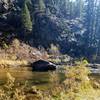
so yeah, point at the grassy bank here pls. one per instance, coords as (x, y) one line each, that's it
(76, 86)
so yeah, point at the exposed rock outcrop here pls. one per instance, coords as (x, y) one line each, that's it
(42, 65)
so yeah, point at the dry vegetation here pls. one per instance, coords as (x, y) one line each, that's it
(76, 86)
(20, 54)
(18, 50)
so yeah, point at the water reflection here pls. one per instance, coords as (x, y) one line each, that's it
(40, 79)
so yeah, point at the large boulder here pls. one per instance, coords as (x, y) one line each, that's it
(42, 65)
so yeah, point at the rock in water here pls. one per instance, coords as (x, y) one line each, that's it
(42, 65)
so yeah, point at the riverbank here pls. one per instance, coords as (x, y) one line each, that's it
(20, 54)
(74, 86)
(19, 50)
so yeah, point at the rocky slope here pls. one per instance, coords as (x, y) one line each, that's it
(19, 53)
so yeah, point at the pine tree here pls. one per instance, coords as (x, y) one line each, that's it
(79, 8)
(41, 5)
(89, 20)
(48, 11)
(26, 18)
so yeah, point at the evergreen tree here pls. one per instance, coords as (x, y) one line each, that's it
(48, 11)
(79, 8)
(41, 5)
(26, 18)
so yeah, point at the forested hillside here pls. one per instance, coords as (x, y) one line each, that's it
(49, 49)
(72, 25)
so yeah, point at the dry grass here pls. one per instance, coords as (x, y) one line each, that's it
(14, 62)
(21, 51)
(10, 62)
(76, 86)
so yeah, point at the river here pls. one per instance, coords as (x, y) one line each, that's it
(39, 79)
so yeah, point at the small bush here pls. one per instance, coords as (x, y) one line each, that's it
(54, 50)
(16, 43)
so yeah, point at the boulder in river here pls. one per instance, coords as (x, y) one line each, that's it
(42, 65)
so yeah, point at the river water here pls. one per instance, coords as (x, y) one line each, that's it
(39, 79)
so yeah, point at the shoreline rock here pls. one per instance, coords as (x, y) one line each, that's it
(42, 65)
